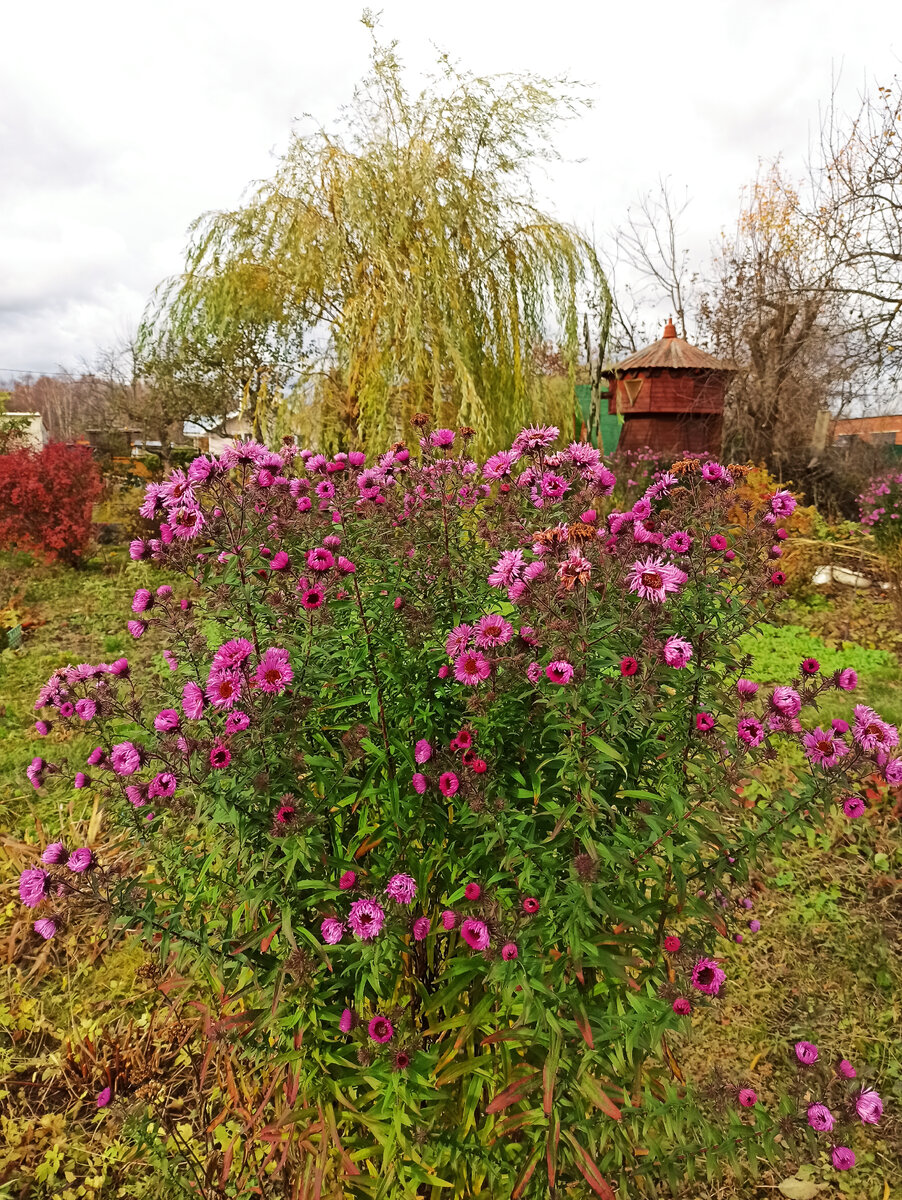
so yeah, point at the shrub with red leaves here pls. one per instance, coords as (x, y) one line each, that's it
(46, 499)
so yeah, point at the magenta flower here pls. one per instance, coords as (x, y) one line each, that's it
(366, 919)
(559, 671)
(824, 749)
(704, 722)
(786, 701)
(806, 1053)
(422, 752)
(499, 464)
(163, 784)
(347, 1021)
(419, 782)
(224, 688)
(441, 438)
(236, 722)
(679, 542)
(472, 668)
(672, 943)
(81, 780)
(534, 672)
(537, 437)
(472, 891)
(810, 666)
(142, 601)
(871, 732)
(320, 559)
(458, 640)
(347, 880)
(750, 731)
(677, 652)
(492, 631)
(843, 1158)
(681, 1006)
(220, 757)
(820, 1118)
(449, 919)
(628, 666)
(381, 1029)
(847, 679)
(136, 628)
(747, 1097)
(171, 661)
(332, 930)
(274, 672)
(892, 771)
(782, 504)
(166, 720)
(45, 927)
(754, 926)
(869, 1107)
(746, 688)
(708, 977)
(80, 860)
(653, 579)
(509, 951)
(55, 853)
(717, 541)
(475, 934)
(86, 709)
(853, 807)
(448, 783)
(125, 758)
(232, 654)
(421, 928)
(530, 905)
(104, 1097)
(192, 701)
(401, 888)
(845, 1068)
(34, 886)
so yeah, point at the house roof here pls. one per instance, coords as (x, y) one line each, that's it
(670, 352)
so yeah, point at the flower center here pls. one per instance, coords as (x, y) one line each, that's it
(651, 579)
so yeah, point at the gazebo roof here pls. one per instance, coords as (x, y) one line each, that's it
(669, 352)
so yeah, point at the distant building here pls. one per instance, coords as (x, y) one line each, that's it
(235, 425)
(35, 434)
(879, 431)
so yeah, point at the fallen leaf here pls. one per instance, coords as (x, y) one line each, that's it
(800, 1189)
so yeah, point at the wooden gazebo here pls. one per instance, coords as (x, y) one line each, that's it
(671, 397)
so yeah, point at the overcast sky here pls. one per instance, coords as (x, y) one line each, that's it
(120, 122)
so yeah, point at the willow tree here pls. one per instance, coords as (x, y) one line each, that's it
(406, 255)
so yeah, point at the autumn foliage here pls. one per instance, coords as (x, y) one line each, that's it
(46, 500)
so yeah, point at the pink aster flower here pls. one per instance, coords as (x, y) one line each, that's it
(421, 928)
(332, 930)
(704, 722)
(824, 749)
(475, 934)
(192, 701)
(381, 1029)
(104, 1096)
(142, 600)
(842, 1157)
(679, 542)
(220, 757)
(708, 977)
(448, 783)
(136, 628)
(845, 1068)
(892, 771)
(500, 464)
(534, 672)
(55, 853)
(871, 732)
(449, 919)
(34, 886)
(472, 891)
(681, 1006)
(166, 720)
(320, 559)
(509, 951)
(419, 782)
(492, 631)
(530, 905)
(653, 578)
(746, 688)
(750, 731)
(45, 927)
(347, 1021)
(869, 1107)
(472, 668)
(747, 1097)
(274, 672)
(224, 688)
(559, 671)
(163, 784)
(847, 679)
(677, 652)
(125, 758)
(672, 943)
(717, 541)
(782, 504)
(347, 880)
(537, 437)
(80, 860)
(458, 640)
(236, 722)
(422, 752)
(820, 1118)
(786, 701)
(86, 709)
(401, 888)
(366, 919)
(806, 1053)
(232, 654)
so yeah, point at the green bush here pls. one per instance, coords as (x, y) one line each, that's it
(777, 651)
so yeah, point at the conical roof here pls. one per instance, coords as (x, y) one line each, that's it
(669, 352)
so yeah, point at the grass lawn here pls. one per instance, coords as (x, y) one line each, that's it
(827, 963)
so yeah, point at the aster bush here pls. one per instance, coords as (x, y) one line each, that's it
(442, 787)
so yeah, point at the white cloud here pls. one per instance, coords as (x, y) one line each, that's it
(120, 123)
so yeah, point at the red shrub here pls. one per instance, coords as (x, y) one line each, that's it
(46, 500)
